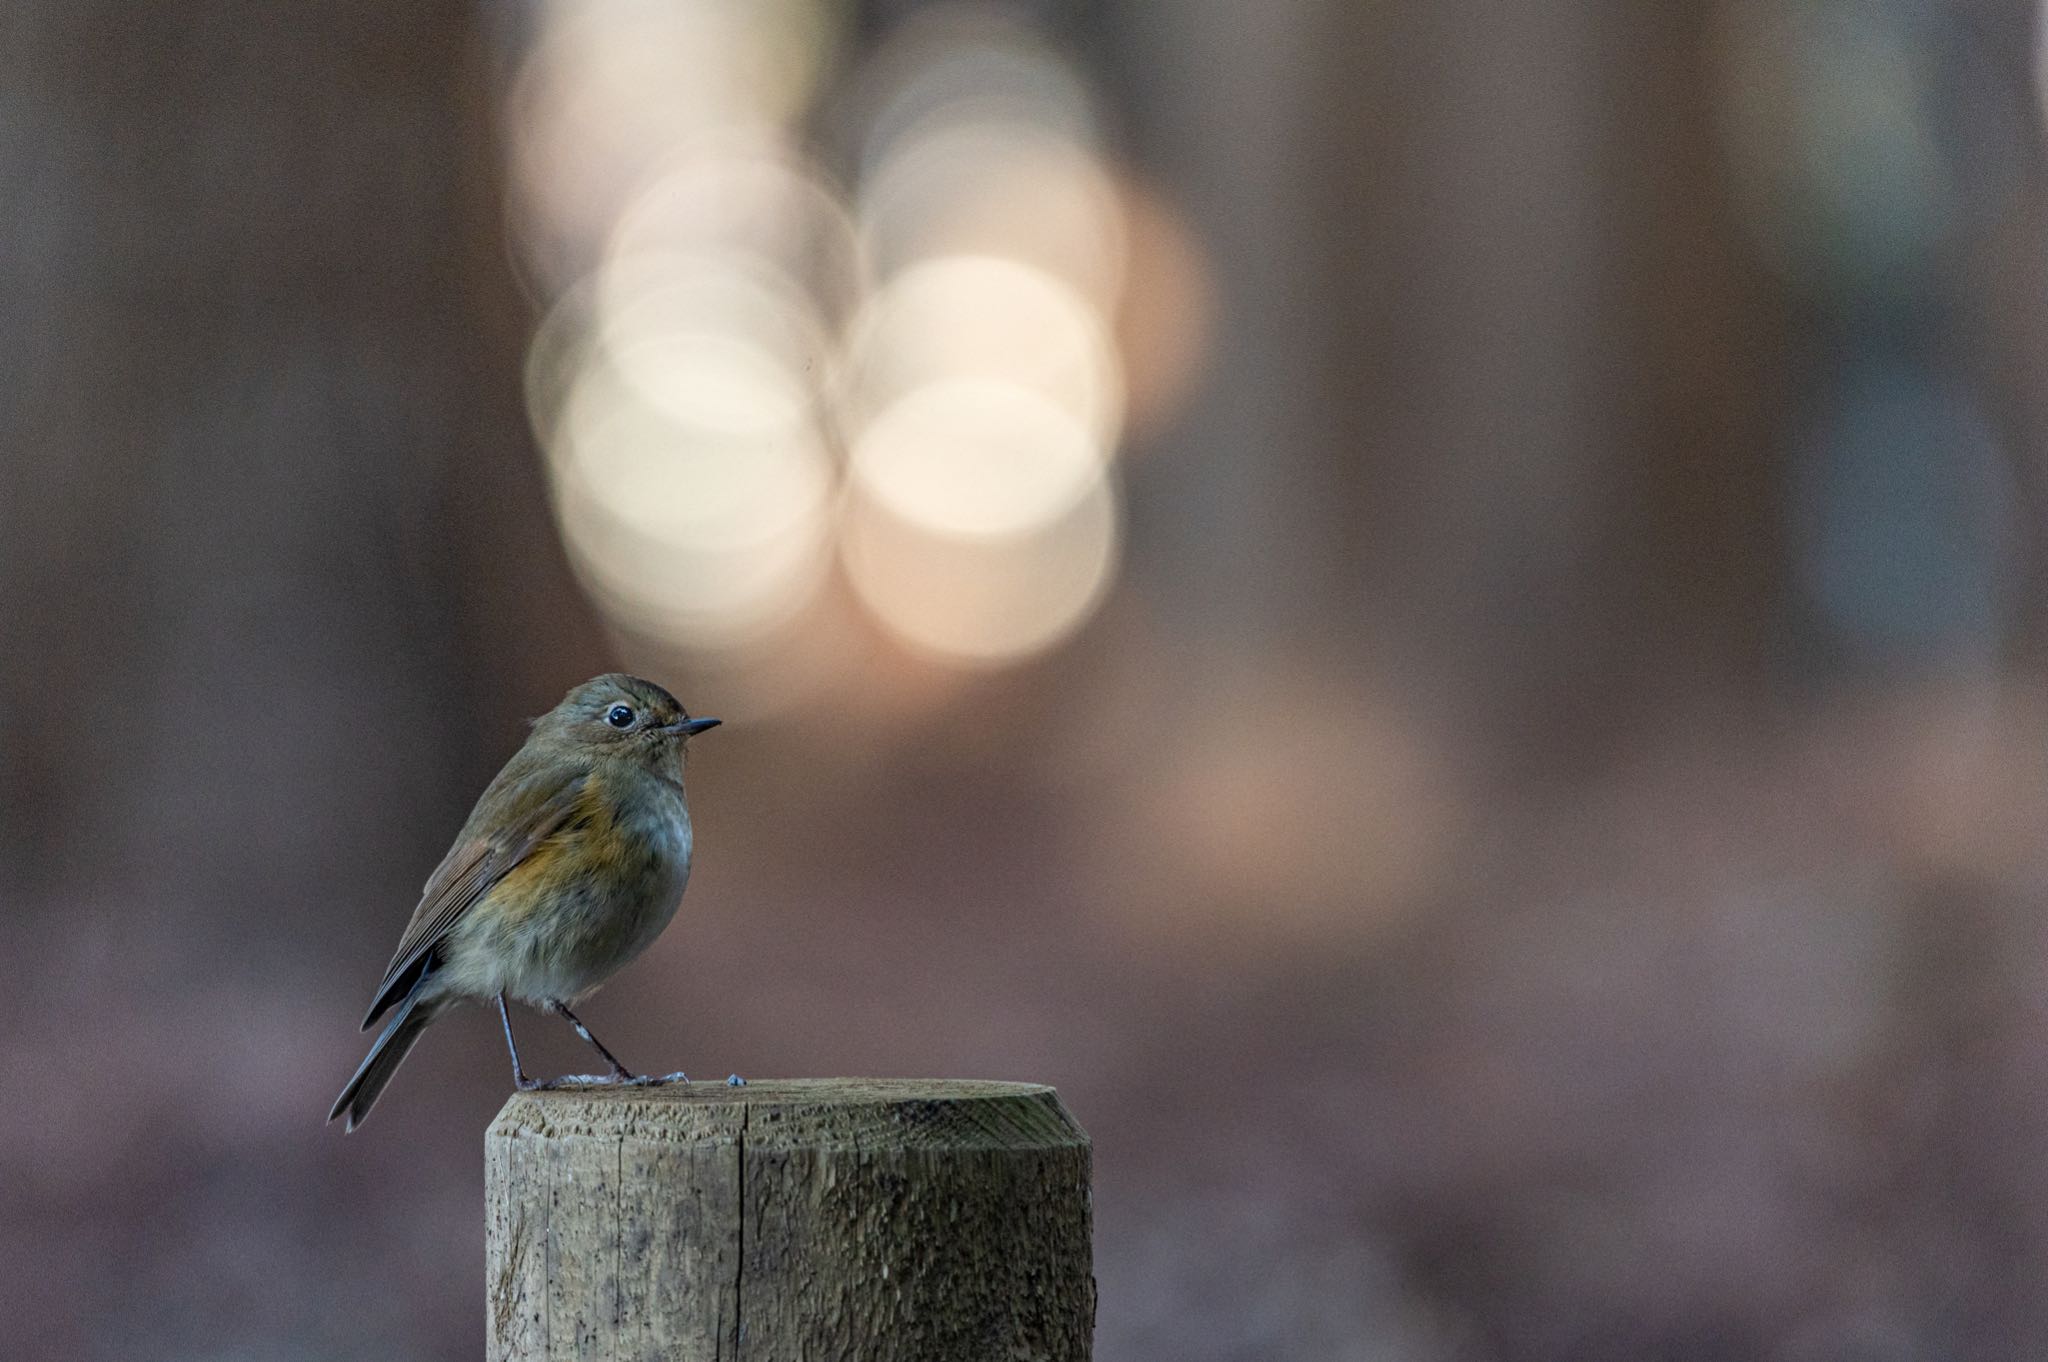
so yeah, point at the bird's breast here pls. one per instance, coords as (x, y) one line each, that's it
(588, 899)
(644, 856)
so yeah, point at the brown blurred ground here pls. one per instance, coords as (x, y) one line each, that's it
(1539, 857)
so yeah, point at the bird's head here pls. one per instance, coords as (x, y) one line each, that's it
(620, 715)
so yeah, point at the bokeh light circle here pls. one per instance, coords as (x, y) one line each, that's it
(712, 342)
(686, 529)
(607, 92)
(758, 203)
(978, 316)
(722, 324)
(954, 63)
(997, 187)
(981, 599)
(976, 457)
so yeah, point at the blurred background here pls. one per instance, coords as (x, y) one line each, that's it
(1435, 610)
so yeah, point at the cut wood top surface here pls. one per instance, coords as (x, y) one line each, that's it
(809, 1112)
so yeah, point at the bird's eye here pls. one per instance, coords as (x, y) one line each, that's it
(619, 716)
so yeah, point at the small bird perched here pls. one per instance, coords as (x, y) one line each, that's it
(572, 862)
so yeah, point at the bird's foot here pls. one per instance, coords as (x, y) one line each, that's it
(579, 1081)
(617, 1080)
(735, 1081)
(525, 1084)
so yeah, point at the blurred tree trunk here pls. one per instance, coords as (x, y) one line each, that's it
(272, 541)
(1450, 235)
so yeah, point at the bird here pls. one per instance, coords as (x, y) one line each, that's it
(571, 864)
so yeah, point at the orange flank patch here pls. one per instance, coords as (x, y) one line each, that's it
(586, 845)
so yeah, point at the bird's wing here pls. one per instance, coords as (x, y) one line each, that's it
(523, 814)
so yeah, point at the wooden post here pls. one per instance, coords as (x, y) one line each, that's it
(860, 1219)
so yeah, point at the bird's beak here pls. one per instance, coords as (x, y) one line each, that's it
(690, 728)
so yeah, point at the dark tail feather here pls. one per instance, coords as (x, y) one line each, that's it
(407, 1021)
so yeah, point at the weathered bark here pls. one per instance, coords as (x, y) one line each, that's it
(808, 1218)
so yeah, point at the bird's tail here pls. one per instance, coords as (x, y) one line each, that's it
(408, 1019)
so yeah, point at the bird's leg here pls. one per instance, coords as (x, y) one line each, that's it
(620, 1073)
(519, 1078)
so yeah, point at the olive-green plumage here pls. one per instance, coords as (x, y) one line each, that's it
(572, 862)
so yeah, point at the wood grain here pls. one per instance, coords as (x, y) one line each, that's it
(935, 1220)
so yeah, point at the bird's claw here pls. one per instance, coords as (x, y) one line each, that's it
(735, 1081)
